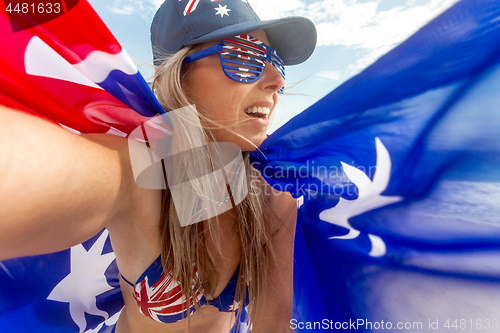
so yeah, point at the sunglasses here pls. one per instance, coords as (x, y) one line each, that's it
(243, 58)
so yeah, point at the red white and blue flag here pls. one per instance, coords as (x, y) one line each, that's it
(67, 68)
(398, 182)
(62, 66)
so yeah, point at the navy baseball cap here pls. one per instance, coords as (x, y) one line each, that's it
(178, 23)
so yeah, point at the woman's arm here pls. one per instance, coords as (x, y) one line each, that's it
(57, 189)
(277, 311)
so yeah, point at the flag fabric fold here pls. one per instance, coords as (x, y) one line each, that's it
(396, 175)
(68, 69)
(71, 70)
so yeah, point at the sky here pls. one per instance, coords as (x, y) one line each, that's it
(352, 34)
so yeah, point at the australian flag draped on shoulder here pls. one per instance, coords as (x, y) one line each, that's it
(59, 61)
(398, 175)
(396, 172)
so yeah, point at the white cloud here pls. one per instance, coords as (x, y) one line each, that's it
(145, 8)
(126, 10)
(330, 75)
(357, 24)
(353, 22)
(271, 9)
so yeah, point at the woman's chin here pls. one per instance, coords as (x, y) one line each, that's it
(255, 142)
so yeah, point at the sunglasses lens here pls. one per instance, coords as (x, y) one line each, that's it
(278, 63)
(244, 58)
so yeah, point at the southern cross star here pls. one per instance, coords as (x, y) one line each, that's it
(85, 281)
(369, 198)
(222, 10)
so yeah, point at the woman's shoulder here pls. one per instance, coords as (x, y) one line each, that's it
(134, 232)
(282, 208)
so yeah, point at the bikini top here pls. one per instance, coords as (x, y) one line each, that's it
(160, 298)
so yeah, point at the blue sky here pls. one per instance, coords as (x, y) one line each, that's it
(352, 34)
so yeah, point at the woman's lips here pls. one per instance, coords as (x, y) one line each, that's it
(258, 112)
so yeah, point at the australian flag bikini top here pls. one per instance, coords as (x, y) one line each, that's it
(160, 298)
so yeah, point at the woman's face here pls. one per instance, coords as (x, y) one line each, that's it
(228, 102)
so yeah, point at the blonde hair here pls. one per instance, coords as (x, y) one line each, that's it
(185, 246)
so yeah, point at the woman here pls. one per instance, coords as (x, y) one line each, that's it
(85, 183)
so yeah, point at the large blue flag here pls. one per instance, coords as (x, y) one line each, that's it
(76, 290)
(396, 172)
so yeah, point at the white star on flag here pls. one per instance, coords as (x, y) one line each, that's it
(85, 281)
(369, 198)
(222, 10)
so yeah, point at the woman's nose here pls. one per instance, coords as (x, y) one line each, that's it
(271, 79)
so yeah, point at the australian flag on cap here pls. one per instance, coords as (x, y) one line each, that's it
(204, 16)
(221, 10)
(179, 23)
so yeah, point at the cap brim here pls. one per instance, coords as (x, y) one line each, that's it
(294, 37)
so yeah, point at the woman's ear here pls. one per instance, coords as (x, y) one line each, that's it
(157, 69)
(158, 74)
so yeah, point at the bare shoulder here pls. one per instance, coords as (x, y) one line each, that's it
(283, 209)
(278, 302)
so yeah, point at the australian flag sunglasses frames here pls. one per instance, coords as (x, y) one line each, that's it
(243, 58)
